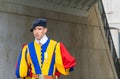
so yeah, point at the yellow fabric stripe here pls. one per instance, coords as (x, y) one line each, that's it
(48, 58)
(59, 63)
(27, 77)
(32, 67)
(54, 70)
(28, 57)
(23, 64)
(38, 52)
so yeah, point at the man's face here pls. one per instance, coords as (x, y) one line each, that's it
(39, 32)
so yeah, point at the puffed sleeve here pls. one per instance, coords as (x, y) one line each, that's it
(67, 58)
(64, 61)
(22, 65)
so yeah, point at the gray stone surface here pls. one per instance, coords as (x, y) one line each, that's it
(81, 35)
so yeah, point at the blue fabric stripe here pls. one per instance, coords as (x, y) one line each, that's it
(71, 69)
(28, 72)
(18, 66)
(44, 47)
(34, 58)
(52, 65)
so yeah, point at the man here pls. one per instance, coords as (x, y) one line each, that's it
(43, 58)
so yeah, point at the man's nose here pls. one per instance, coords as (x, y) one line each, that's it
(36, 30)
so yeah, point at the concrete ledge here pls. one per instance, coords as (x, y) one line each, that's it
(24, 10)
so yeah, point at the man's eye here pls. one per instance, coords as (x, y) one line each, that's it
(39, 28)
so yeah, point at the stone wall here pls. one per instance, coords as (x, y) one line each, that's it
(81, 35)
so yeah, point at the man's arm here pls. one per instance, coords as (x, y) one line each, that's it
(68, 60)
(22, 66)
(64, 61)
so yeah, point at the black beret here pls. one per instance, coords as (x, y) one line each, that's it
(39, 22)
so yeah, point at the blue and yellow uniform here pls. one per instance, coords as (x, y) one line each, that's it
(47, 59)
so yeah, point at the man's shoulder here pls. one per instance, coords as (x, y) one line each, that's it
(30, 42)
(26, 44)
(53, 41)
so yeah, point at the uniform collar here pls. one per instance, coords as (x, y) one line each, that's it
(43, 40)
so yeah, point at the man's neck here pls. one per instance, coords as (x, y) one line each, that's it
(43, 40)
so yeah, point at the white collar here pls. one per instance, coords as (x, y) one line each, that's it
(43, 40)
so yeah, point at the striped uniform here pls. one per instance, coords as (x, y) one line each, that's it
(48, 59)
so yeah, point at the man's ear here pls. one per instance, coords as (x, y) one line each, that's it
(46, 30)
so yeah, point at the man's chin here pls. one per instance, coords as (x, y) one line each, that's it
(38, 38)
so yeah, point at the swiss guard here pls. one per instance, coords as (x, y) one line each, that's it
(43, 58)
